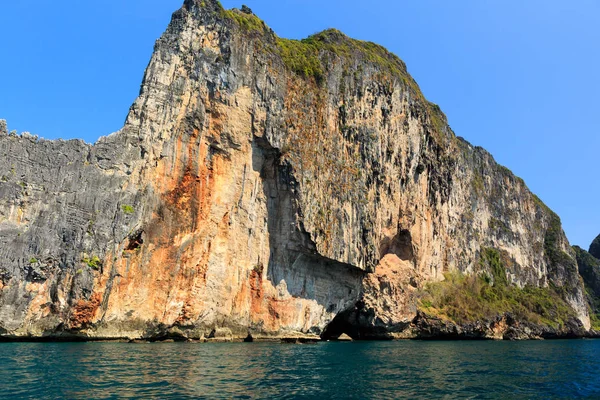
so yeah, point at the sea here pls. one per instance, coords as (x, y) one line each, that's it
(566, 369)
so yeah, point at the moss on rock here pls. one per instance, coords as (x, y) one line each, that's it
(247, 21)
(307, 57)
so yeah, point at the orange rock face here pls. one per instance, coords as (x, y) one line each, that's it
(84, 312)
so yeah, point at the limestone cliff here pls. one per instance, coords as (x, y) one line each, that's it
(261, 185)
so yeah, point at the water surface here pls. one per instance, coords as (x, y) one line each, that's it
(379, 370)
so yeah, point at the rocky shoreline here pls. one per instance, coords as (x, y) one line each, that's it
(423, 327)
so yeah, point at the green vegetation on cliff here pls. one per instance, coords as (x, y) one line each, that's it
(307, 57)
(94, 262)
(246, 20)
(301, 57)
(127, 209)
(484, 295)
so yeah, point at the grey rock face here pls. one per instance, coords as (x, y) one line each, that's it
(60, 207)
(245, 195)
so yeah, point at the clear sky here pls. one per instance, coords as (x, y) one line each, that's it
(520, 78)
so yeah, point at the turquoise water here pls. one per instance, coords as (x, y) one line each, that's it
(379, 370)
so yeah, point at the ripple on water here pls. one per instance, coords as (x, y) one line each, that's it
(378, 370)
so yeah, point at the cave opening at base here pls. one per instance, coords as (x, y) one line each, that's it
(340, 325)
(354, 323)
(361, 323)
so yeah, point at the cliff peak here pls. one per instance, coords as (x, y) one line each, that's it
(246, 10)
(331, 35)
(203, 3)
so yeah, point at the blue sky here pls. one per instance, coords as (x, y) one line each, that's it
(519, 78)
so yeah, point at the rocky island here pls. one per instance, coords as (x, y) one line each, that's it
(265, 188)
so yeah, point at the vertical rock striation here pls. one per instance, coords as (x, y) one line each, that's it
(261, 185)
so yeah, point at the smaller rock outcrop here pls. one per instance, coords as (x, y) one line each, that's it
(595, 247)
(3, 128)
(589, 269)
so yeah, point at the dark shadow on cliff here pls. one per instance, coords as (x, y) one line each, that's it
(360, 323)
(294, 263)
(400, 245)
